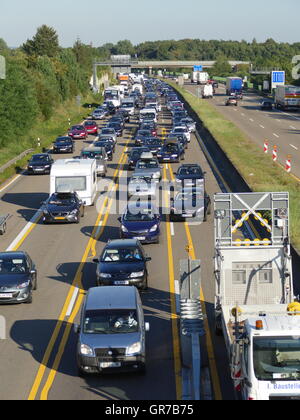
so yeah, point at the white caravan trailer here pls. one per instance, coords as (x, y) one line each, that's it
(75, 174)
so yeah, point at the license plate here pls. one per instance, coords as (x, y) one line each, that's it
(166, 158)
(59, 218)
(6, 295)
(110, 364)
(187, 215)
(121, 282)
(140, 238)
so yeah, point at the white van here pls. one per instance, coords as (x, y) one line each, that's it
(148, 114)
(76, 174)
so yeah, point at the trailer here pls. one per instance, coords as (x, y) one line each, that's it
(3, 221)
(254, 301)
(287, 97)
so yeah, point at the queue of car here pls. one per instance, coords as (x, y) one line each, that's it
(123, 261)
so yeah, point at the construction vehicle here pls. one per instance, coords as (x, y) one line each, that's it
(254, 306)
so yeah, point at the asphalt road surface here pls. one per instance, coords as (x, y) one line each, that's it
(38, 354)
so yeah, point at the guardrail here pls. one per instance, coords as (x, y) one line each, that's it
(14, 160)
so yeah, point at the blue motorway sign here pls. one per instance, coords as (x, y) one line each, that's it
(198, 68)
(278, 77)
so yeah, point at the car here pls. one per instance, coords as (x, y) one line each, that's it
(63, 207)
(123, 262)
(190, 202)
(109, 145)
(140, 136)
(118, 118)
(182, 139)
(111, 132)
(189, 175)
(182, 130)
(140, 221)
(150, 126)
(18, 277)
(117, 127)
(40, 164)
(154, 144)
(134, 155)
(190, 123)
(266, 105)
(99, 114)
(172, 151)
(142, 186)
(98, 153)
(232, 100)
(148, 165)
(63, 145)
(78, 132)
(111, 334)
(91, 127)
(109, 106)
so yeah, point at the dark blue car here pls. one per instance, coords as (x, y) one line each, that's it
(140, 221)
(172, 151)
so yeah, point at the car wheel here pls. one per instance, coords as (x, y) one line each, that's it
(35, 284)
(29, 300)
(142, 369)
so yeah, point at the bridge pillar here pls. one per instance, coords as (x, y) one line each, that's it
(150, 70)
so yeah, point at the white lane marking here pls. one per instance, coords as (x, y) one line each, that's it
(177, 296)
(242, 114)
(292, 127)
(11, 182)
(23, 232)
(72, 302)
(276, 135)
(172, 229)
(286, 113)
(294, 147)
(251, 119)
(261, 126)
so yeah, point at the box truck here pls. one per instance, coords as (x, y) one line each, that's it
(287, 97)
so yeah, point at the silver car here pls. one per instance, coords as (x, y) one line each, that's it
(149, 167)
(98, 153)
(111, 335)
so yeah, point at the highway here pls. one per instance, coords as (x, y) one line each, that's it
(38, 355)
(279, 128)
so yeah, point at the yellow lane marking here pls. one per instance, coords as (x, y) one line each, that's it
(209, 343)
(76, 283)
(174, 318)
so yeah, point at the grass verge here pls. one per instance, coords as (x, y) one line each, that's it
(257, 169)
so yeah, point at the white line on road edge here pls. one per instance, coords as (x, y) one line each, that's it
(251, 119)
(261, 126)
(294, 147)
(172, 229)
(292, 127)
(276, 135)
(72, 302)
(23, 232)
(177, 297)
(11, 182)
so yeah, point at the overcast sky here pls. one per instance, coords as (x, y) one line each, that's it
(101, 21)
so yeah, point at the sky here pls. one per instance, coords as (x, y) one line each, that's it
(102, 21)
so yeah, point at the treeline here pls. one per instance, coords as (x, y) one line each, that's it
(39, 76)
(265, 55)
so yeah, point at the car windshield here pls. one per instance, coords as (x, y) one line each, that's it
(171, 148)
(77, 127)
(128, 255)
(147, 164)
(107, 131)
(62, 142)
(90, 123)
(139, 215)
(190, 171)
(62, 199)
(277, 358)
(111, 321)
(38, 158)
(10, 265)
(92, 155)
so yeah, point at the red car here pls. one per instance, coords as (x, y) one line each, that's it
(91, 127)
(78, 132)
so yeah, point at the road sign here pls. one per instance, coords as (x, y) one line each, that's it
(198, 68)
(278, 78)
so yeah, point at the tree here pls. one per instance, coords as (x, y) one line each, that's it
(45, 42)
(221, 68)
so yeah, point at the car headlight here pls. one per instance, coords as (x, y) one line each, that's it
(23, 285)
(137, 274)
(30, 166)
(154, 228)
(101, 168)
(73, 212)
(86, 350)
(124, 229)
(134, 349)
(105, 275)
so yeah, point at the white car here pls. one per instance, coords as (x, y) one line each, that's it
(182, 130)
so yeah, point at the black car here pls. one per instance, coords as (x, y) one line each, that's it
(189, 175)
(40, 164)
(63, 145)
(18, 277)
(63, 207)
(123, 262)
(117, 127)
(266, 106)
(154, 144)
(109, 145)
(134, 156)
(172, 151)
(140, 136)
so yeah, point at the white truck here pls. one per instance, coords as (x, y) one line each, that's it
(287, 97)
(200, 77)
(254, 306)
(78, 175)
(208, 91)
(114, 95)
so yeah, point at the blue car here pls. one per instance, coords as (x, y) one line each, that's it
(140, 221)
(172, 151)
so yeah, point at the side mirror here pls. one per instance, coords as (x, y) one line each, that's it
(147, 326)
(148, 259)
(120, 219)
(76, 328)
(96, 260)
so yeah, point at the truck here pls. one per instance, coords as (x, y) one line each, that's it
(287, 97)
(199, 77)
(78, 175)
(208, 91)
(234, 86)
(114, 95)
(254, 302)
